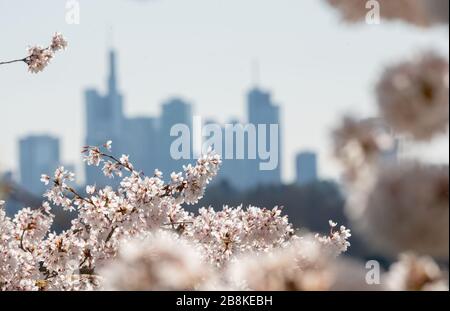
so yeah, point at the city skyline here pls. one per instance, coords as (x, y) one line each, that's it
(149, 141)
(140, 138)
(209, 66)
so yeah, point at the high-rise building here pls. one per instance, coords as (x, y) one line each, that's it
(104, 119)
(263, 113)
(306, 167)
(142, 143)
(146, 140)
(175, 111)
(38, 155)
(233, 169)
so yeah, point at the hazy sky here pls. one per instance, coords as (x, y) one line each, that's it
(202, 50)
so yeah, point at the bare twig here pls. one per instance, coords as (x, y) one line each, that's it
(14, 61)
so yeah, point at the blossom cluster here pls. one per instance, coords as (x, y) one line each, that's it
(138, 236)
(39, 57)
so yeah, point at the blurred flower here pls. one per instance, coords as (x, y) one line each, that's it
(438, 10)
(45, 179)
(412, 273)
(407, 210)
(299, 267)
(413, 96)
(358, 145)
(421, 13)
(108, 145)
(349, 274)
(162, 261)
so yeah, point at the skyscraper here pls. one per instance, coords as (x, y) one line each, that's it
(262, 113)
(38, 155)
(233, 169)
(104, 119)
(175, 111)
(306, 166)
(142, 143)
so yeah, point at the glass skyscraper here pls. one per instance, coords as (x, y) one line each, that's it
(104, 119)
(38, 155)
(306, 167)
(262, 113)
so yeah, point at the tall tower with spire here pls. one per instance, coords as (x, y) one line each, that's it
(112, 78)
(264, 113)
(104, 117)
(114, 98)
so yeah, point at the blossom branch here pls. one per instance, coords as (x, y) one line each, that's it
(14, 61)
(38, 57)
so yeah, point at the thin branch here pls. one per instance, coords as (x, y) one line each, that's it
(178, 223)
(78, 196)
(110, 234)
(14, 61)
(111, 157)
(22, 247)
(75, 193)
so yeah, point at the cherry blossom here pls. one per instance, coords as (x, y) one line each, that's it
(39, 57)
(138, 236)
(58, 42)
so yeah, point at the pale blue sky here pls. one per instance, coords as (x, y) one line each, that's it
(202, 50)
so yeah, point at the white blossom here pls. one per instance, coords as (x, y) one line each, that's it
(116, 239)
(58, 42)
(229, 232)
(45, 179)
(90, 189)
(337, 241)
(38, 58)
(108, 145)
